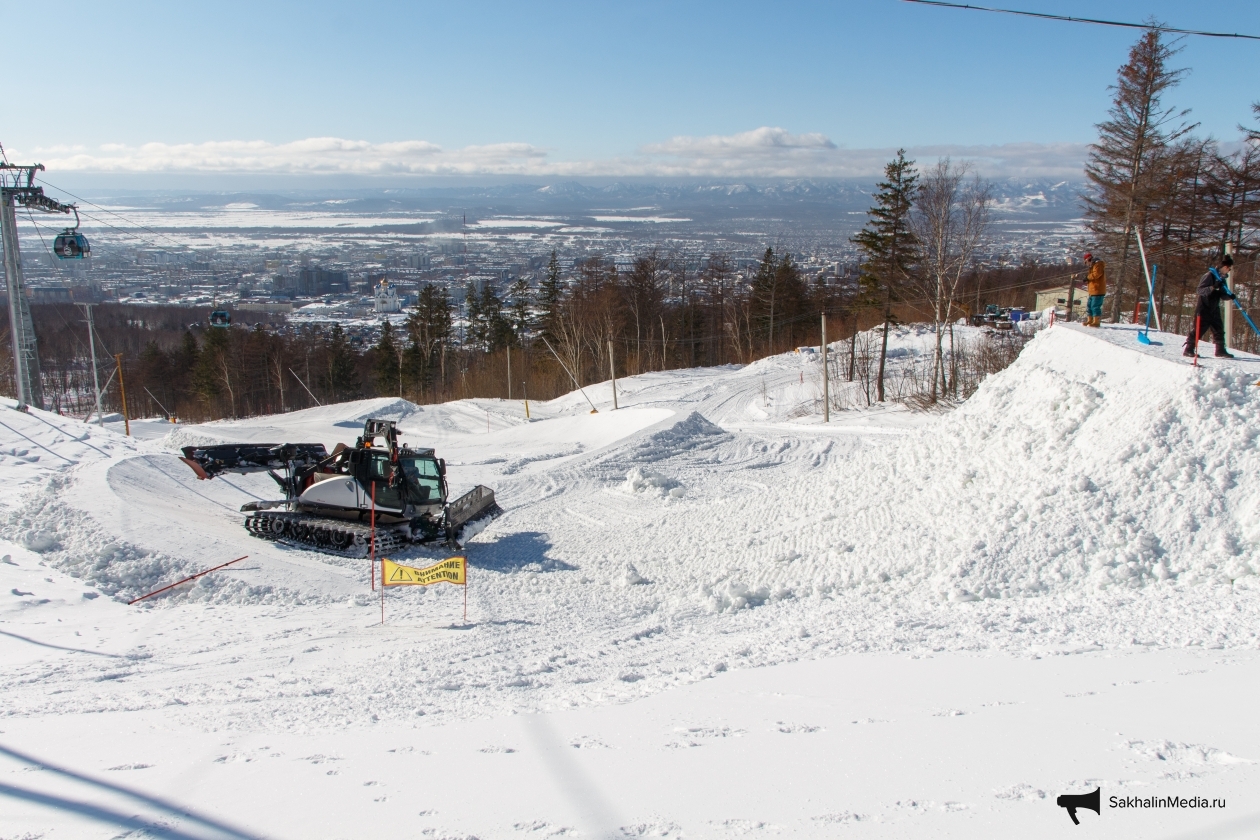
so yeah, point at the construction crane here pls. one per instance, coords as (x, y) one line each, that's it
(17, 186)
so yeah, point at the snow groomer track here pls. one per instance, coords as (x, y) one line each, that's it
(704, 614)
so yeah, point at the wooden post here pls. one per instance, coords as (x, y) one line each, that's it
(826, 393)
(1071, 297)
(612, 370)
(525, 391)
(122, 390)
(509, 360)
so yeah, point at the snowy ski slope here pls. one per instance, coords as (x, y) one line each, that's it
(662, 571)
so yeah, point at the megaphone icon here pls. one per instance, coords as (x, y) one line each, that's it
(1072, 801)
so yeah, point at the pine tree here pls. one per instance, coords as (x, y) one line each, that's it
(207, 376)
(342, 377)
(184, 362)
(518, 311)
(765, 295)
(550, 296)
(1121, 163)
(888, 246)
(154, 372)
(475, 330)
(430, 328)
(387, 366)
(496, 329)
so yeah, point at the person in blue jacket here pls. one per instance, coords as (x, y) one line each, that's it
(1207, 312)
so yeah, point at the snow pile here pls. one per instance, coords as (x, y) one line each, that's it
(693, 433)
(1079, 468)
(646, 481)
(71, 541)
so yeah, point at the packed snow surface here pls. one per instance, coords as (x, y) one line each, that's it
(705, 600)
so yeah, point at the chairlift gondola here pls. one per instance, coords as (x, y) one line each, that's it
(70, 244)
(221, 318)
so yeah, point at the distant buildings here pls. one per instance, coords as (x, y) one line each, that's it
(386, 298)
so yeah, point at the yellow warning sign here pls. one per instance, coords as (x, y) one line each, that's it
(451, 570)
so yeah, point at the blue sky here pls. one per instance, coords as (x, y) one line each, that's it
(558, 89)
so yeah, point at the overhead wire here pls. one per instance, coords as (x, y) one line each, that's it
(177, 244)
(1097, 21)
(70, 329)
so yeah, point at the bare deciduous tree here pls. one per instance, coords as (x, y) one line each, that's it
(951, 214)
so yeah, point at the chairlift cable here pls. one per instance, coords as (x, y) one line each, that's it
(178, 244)
(1123, 24)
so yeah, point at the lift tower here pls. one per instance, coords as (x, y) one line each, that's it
(17, 186)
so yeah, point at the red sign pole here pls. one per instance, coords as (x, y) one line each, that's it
(1196, 340)
(185, 580)
(372, 559)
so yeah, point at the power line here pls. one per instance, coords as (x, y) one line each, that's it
(1097, 21)
(120, 216)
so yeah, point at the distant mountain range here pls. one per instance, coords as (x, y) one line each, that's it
(817, 200)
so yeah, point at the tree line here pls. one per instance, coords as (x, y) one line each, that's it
(1187, 196)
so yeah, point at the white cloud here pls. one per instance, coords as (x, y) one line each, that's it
(765, 152)
(760, 142)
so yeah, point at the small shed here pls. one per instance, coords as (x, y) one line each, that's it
(1058, 298)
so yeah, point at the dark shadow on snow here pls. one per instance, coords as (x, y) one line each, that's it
(154, 826)
(524, 550)
(60, 647)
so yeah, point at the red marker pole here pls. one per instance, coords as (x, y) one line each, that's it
(372, 559)
(1196, 340)
(185, 580)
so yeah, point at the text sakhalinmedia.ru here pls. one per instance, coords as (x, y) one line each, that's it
(1165, 802)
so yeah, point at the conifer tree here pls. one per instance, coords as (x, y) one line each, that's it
(888, 246)
(430, 329)
(474, 319)
(388, 366)
(550, 294)
(518, 311)
(1137, 131)
(207, 375)
(342, 379)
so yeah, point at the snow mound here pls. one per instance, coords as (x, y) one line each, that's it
(1083, 466)
(646, 481)
(327, 424)
(180, 437)
(695, 432)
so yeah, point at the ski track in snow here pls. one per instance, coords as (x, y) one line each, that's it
(1085, 499)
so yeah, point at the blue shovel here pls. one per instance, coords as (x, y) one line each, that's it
(1144, 336)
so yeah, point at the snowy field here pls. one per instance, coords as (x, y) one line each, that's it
(705, 614)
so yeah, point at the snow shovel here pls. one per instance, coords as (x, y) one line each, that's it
(1144, 336)
(1250, 322)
